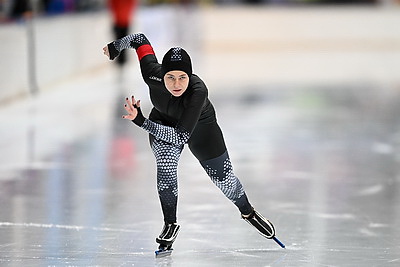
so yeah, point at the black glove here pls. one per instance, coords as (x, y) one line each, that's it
(139, 120)
(113, 51)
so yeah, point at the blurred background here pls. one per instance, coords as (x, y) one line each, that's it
(294, 37)
(307, 93)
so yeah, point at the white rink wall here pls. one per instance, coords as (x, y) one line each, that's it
(308, 45)
(234, 44)
(66, 46)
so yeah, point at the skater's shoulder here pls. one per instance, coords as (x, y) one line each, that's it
(196, 83)
(195, 78)
(155, 78)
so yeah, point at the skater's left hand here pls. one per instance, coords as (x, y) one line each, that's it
(131, 107)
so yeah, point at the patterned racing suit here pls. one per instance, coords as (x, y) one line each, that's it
(175, 121)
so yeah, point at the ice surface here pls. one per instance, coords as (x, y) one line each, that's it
(87, 200)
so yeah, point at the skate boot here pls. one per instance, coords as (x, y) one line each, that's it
(264, 227)
(166, 239)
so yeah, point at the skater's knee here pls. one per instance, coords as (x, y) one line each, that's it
(219, 168)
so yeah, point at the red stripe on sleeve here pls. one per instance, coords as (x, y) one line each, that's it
(144, 50)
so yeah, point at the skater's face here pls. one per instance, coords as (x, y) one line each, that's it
(176, 81)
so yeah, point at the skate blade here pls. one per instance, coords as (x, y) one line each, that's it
(163, 253)
(279, 242)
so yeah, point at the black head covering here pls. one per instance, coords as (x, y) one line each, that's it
(176, 59)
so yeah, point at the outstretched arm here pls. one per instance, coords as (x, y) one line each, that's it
(148, 62)
(136, 41)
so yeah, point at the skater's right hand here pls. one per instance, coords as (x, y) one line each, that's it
(106, 52)
(110, 51)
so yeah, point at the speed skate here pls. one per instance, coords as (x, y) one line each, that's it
(263, 226)
(163, 251)
(166, 239)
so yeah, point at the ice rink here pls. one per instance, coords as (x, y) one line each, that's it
(320, 160)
